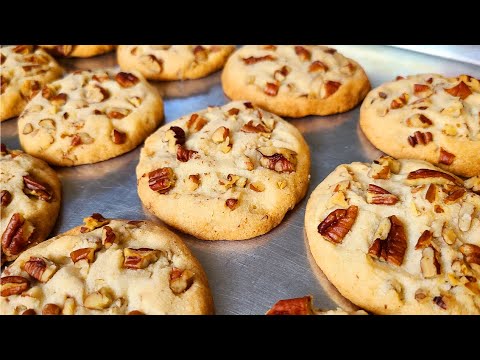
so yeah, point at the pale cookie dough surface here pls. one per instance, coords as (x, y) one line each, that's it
(30, 201)
(427, 117)
(371, 250)
(89, 116)
(227, 190)
(173, 62)
(295, 80)
(23, 72)
(167, 280)
(82, 51)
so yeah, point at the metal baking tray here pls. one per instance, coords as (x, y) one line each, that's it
(246, 277)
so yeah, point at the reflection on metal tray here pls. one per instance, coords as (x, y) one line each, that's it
(246, 277)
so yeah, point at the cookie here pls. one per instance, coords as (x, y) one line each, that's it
(81, 51)
(23, 72)
(30, 198)
(173, 62)
(398, 237)
(294, 80)
(304, 306)
(427, 117)
(224, 173)
(89, 116)
(107, 267)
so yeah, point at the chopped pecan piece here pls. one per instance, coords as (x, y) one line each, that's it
(422, 90)
(180, 280)
(455, 195)
(429, 263)
(35, 188)
(271, 89)
(278, 159)
(126, 80)
(471, 253)
(462, 91)
(161, 180)
(83, 254)
(424, 240)
(139, 258)
(379, 196)
(431, 194)
(251, 128)
(419, 120)
(175, 136)
(108, 236)
(337, 224)
(233, 111)
(298, 306)
(196, 122)
(420, 138)
(253, 60)
(93, 222)
(280, 75)
(446, 157)
(118, 137)
(51, 309)
(13, 285)
(331, 87)
(6, 197)
(399, 102)
(303, 53)
(183, 154)
(231, 203)
(392, 249)
(40, 268)
(439, 301)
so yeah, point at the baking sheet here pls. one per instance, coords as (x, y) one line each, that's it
(246, 277)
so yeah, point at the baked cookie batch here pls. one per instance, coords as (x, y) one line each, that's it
(400, 235)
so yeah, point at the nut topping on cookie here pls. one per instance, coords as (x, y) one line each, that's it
(51, 309)
(139, 258)
(93, 222)
(196, 123)
(303, 53)
(118, 137)
(422, 90)
(472, 254)
(99, 300)
(446, 157)
(278, 159)
(337, 224)
(40, 268)
(126, 80)
(161, 180)
(400, 102)
(183, 154)
(439, 301)
(258, 128)
(462, 91)
(16, 235)
(231, 203)
(14, 285)
(298, 306)
(220, 135)
(428, 176)
(392, 249)
(6, 197)
(420, 138)
(35, 188)
(180, 280)
(253, 60)
(174, 136)
(379, 196)
(429, 263)
(330, 88)
(431, 193)
(108, 236)
(424, 240)
(271, 89)
(151, 63)
(83, 254)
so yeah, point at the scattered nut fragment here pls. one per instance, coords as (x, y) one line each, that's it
(233, 111)
(422, 90)
(424, 240)
(421, 295)
(392, 249)
(330, 88)
(303, 53)
(420, 138)
(135, 101)
(258, 128)
(431, 193)
(6, 197)
(101, 77)
(429, 263)
(337, 224)
(126, 80)
(257, 186)
(151, 63)
(220, 135)
(440, 302)
(36, 188)
(271, 89)
(69, 307)
(23, 49)
(399, 102)
(96, 94)
(40, 268)
(180, 280)
(139, 258)
(174, 136)
(51, 309)
(461, 90)
(253, 60)
(278, 159)
(29, 312)
(94, 221)
(379, 196)
(108, 236)
(317, 66)
(298, 306)
(419, 120)
(196, 123)
(59, 100)
(27, 129)
(118, 137)
(13, 285)
(231, 203)
(47, 124)
(383, 167)
(161, 180)
(449, 129)
(280, 75)
(83, 254)
(183, 154)
(98, 300)
(446, 157)
(472, 255)
(193, 182)
(117, 113)
(448, 235)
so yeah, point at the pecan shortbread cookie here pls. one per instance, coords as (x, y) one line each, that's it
(107, 267)
(30, 199)
(294, 80)
(173, 62)
(304, 306)
(427, 117)
(81, 51)
(89, 116)
(23, 72)
(398, 237)
(224, 173)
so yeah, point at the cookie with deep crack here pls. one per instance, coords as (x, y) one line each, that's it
(80, 51)
(30, 200)
(90, 116)
(224, 173)
(106, 267)
(23, 71)
(173, 62)
(427, 117)
(398, 237)
(294, 80)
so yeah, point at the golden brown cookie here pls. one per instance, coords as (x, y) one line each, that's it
(81, 51)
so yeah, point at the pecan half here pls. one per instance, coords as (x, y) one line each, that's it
(196, 122)
(424, 240)
(118, 137)
(40, 268)
(337, 224)
(161, 180)
(271, 89)
(13, 238)
(298, 306)
(253, 60)
(317, 66)
(379, 196)
(462, 91)
(180, 280)
(126, 80)
(278, 159)
(6, 197)
(83, 254)
(429, 176)
(420, 138)
(35, 188)
(446, 157)
(139, 258)
(303, 54)
(13, 285)
(183, 154)
(392, 249)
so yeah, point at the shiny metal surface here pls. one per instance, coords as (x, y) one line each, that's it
(246, 277)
